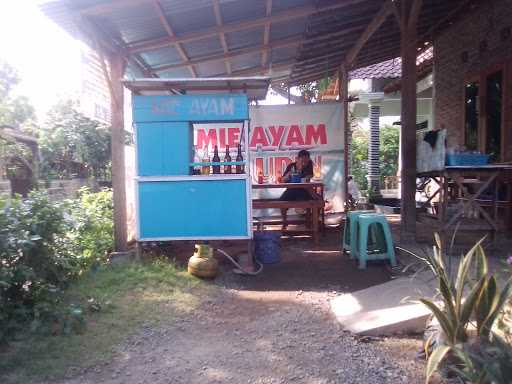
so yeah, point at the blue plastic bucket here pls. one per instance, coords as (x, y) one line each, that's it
(267, 247)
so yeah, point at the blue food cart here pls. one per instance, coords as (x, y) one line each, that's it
(173, 201)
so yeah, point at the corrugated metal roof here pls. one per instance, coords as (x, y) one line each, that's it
(212, 68)
(245, 61)
(190, 20)
(241, 10)
(282, 30)
(244, 37)
(334, 34)
(203, 47)
(163, 56)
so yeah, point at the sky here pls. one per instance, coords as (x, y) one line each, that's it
(45, 56)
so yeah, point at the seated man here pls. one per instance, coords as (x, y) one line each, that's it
(302, 168)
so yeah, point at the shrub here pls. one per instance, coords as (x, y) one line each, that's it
(43, 246)
(93, 226)
(35, 262)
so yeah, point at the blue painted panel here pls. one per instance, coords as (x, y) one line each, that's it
(163, 149)
(192, 209)
(196, 108)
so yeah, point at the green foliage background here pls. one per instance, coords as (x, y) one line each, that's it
(44, 245)
(389, 150)
(73, 145)
(14, 110)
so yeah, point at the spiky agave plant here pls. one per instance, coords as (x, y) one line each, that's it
(483, 302)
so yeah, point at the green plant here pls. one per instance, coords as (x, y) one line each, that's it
(14, 110)
(486, 363)
(72, 145)
(35, 262)
(483, 302)
(115, 301)
(389, 141)
(454, 314)
(93, 225)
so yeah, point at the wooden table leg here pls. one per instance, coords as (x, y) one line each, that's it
(315, 219)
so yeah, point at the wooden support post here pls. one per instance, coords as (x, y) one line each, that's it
(343, 97)
(117, 68)
(409, 12)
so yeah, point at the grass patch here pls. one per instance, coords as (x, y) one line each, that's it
(128, 296)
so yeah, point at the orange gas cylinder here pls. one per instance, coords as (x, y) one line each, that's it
(202, 263)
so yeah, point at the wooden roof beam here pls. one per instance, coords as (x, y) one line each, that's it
(222, 35)
(266, 34)
(286, 42)
(291, 14)
(167, 26)
(378, 20)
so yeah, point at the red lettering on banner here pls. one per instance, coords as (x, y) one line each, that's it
(259, 165)
(281, 163)
(259, 138)
(222, 138)
(206, 140)
(233, 137)
(318, 134)
(276, 136)
(294, 136)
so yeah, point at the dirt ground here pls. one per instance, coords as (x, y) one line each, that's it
(272, 328)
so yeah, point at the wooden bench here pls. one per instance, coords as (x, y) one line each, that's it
(315, 206)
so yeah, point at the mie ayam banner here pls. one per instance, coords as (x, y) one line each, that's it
(277, 133)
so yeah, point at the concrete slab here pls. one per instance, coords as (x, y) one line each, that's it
(385, 309)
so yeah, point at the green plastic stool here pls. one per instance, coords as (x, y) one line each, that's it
(373, 239)
(349, 231)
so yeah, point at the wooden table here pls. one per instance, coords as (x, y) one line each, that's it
(316, 205)
(471, 189)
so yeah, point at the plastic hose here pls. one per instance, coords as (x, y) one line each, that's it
(243, 271)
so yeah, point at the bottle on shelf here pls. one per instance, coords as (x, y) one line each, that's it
(260, 177)
(216, 159)
(195, 169)
(205, 169)
(240, 168)
(279, 177)
(228, 168)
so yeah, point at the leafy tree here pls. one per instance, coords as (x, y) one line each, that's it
(389, 146)
(73, 145)
(359, 165)
(389, 150)
(17, 113)
(14, 110)
(308, 92)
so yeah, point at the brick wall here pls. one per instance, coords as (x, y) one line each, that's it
(485, 23)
